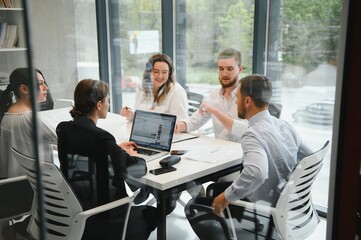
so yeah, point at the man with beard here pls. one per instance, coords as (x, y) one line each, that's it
(220, 105)
(271, 150)
(271, 147)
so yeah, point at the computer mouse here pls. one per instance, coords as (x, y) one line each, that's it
(169, 161)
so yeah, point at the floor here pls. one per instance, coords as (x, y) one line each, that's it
(178, 227)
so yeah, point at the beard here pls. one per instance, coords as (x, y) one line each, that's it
(241, 111)
(242, 115)
(228, 84)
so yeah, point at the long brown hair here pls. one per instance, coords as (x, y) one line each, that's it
(164, 90)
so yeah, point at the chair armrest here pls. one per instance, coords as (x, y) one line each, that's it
(80, 219)
(201, 207)
(251, 205)
(200, 212)
(13, 179)
(106, 207)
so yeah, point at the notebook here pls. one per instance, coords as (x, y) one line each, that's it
(153, 133)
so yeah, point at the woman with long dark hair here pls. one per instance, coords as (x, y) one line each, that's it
(16, 122)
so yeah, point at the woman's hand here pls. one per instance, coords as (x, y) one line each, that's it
(129, 147)
(127, 112)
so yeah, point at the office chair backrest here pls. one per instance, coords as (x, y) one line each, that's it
(275, 109)
(194, 101)
(61, 204)
(296, 217)
(71, 143)
(15, 203)
(293, 216)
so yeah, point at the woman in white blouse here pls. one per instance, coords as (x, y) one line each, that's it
(159, 91)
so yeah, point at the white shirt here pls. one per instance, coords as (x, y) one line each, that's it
(175, 103)
(219, 101)
(16, 131)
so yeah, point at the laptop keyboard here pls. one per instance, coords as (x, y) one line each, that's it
(146, 151)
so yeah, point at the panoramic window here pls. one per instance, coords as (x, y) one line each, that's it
(138, 34)
(208, 28)
(302, 62)
(300, 56)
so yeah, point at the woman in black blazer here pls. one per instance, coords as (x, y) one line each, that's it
(82, 137)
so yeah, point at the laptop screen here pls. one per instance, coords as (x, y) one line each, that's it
(153, 130)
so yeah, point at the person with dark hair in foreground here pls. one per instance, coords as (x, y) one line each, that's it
(17, 121)
(91, 102)
(16, 118)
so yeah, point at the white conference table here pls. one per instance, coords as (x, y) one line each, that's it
(188, 171)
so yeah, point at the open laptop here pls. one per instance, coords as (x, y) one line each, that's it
(153, 133)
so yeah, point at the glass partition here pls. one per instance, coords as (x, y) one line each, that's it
(300, 56)
(65, 51)
(206, 28)
(302, 62)
(136, 35)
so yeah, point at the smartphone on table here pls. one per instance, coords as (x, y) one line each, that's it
(158, 171)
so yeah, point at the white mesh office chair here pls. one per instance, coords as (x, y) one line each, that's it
(293, 216)
(275, 109)
(194, 101)
(65, 218)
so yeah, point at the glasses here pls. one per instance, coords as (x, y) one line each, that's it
(157, 72)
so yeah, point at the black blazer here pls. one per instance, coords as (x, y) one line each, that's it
(83, 137)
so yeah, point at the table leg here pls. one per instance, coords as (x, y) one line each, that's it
(162, 228)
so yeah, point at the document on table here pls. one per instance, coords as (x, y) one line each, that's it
(210, 155)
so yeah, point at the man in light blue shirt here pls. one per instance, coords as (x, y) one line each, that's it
(271, 147)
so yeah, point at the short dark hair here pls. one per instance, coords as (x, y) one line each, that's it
(231, 53)
(258, 87)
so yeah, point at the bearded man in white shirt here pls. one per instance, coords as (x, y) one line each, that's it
(222, 101)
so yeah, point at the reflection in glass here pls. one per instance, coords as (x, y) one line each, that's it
(302, 63)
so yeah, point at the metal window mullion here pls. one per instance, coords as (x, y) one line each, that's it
(168, 27)
(35, 128)
(260, 36)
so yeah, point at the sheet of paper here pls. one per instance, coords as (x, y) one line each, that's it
(211, 155)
